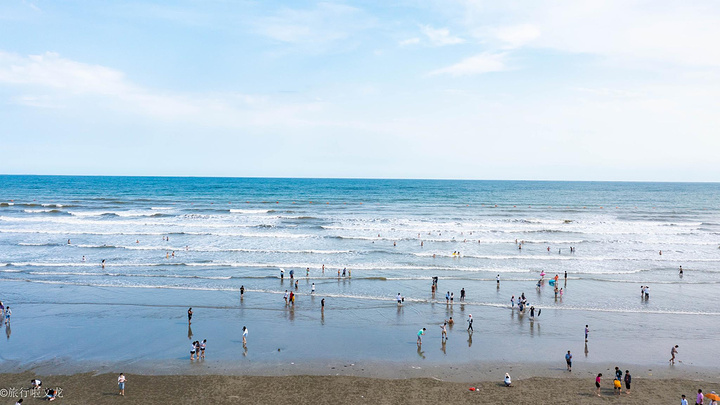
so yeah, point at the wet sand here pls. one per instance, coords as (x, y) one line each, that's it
(303, 389)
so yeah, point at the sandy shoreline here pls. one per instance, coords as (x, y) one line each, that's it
(303, 389)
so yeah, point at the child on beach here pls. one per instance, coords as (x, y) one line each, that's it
(568, 360)
(202, 348)
(8, 312)
(470, 322)
(121, 384)
(628, 380)
(192, 351)
(597, 383)
(286, 297)
(617, 386)
(419, 336)
(244, 335)
(443, 330)
(673, 352)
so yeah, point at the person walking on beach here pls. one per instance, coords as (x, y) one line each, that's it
(244, 335)
(121, 384)
(312, 290)
(700, 399)
(190, 315)
(203, 345)
(399, 299)
(322, 304)
(282, 274)
(683, 401)
(462, 295)
(242, 291)
(568, 360)
(673, 352)
(512, 302)
(443, 330)
(497, 279)
(470, 322)
(8, 312)
(296, 284)
(597, 384)
(628, 380)
(292, 298)
(565, 276)
(419, 336)
(586, 332)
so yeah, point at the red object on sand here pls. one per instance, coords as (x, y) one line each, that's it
(472, 388)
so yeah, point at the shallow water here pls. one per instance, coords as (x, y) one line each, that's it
(228, 233)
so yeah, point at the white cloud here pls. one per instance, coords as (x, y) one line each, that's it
(325, 24)
(409, 41)
(440, 36)
(515, 36)
(483, 63)
(681, 33)
(69, 83)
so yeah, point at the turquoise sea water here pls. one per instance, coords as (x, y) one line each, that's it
(392, 235)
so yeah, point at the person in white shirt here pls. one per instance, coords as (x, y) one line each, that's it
(313, 289)
(245, 333)
(121, 384)
(508, 381)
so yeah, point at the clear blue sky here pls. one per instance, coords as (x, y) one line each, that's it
(470, 89)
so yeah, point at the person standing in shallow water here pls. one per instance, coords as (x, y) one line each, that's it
(568, 360)
(190, 315)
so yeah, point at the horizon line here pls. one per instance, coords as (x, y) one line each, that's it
(352, 178)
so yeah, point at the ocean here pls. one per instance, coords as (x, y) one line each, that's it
(173, 243)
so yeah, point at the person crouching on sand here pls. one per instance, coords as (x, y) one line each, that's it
(508, 381)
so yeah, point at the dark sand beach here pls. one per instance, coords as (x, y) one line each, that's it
(302, 389)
